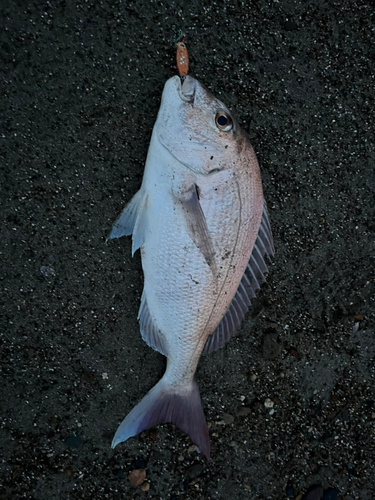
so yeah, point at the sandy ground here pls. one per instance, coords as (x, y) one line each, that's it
(80, 89)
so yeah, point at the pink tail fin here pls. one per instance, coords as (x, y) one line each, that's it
(163, 404)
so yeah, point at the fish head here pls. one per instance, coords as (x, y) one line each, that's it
(197, 128)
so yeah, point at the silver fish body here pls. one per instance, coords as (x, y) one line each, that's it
(200, 221)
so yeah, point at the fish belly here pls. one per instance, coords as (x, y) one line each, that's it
(186, 297)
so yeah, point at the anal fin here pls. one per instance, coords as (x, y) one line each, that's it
(149, 331)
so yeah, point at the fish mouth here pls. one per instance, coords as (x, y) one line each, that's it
(187, 89)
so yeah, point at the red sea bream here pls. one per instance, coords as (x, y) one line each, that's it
(201, 224)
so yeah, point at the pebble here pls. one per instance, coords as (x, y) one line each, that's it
(137, 476)
(252, 377)
(73, 441)
(268, 403)
(293, 352)
(47, 271)
(345, 415)
(194, 471)
(271, 348)
(242, 411)
(145, 486)
(228, 419)
(330, 494)
(289, 492)
(120, 474)
(192, 448)
(315, 494)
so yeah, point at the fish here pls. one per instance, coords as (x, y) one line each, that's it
(202, 227)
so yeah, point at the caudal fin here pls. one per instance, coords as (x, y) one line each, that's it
(163, 404)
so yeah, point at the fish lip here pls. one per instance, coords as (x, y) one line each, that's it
(187, 89)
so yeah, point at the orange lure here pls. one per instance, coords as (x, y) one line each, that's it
(182, 58)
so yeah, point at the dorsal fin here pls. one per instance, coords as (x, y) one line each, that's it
(250, 283)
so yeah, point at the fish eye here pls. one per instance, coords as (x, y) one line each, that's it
(223, 121)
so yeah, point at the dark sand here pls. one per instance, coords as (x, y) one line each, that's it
(80, 89)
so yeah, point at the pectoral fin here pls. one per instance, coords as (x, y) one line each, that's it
(133, 220)
(197, 226)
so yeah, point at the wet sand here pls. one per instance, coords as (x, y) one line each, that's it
(291, 400)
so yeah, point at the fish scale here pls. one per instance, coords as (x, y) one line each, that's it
(201, 223)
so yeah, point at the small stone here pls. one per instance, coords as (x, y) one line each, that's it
(290, 26)
(120, 474)
(330, 494)
(268, 403)
(243, 411)
(47, 271)
(355, 327)
(228, 419)
(271, 348)
(192, 448)
(345, 415)
(373, 415)
(73, 441)
(195, 471)
(293, 352)
(105, 376)
(299, 496)
(145, 486)
(153, 434)
(252, 377)
(137, 476)
(315, 494)
(289, 492)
